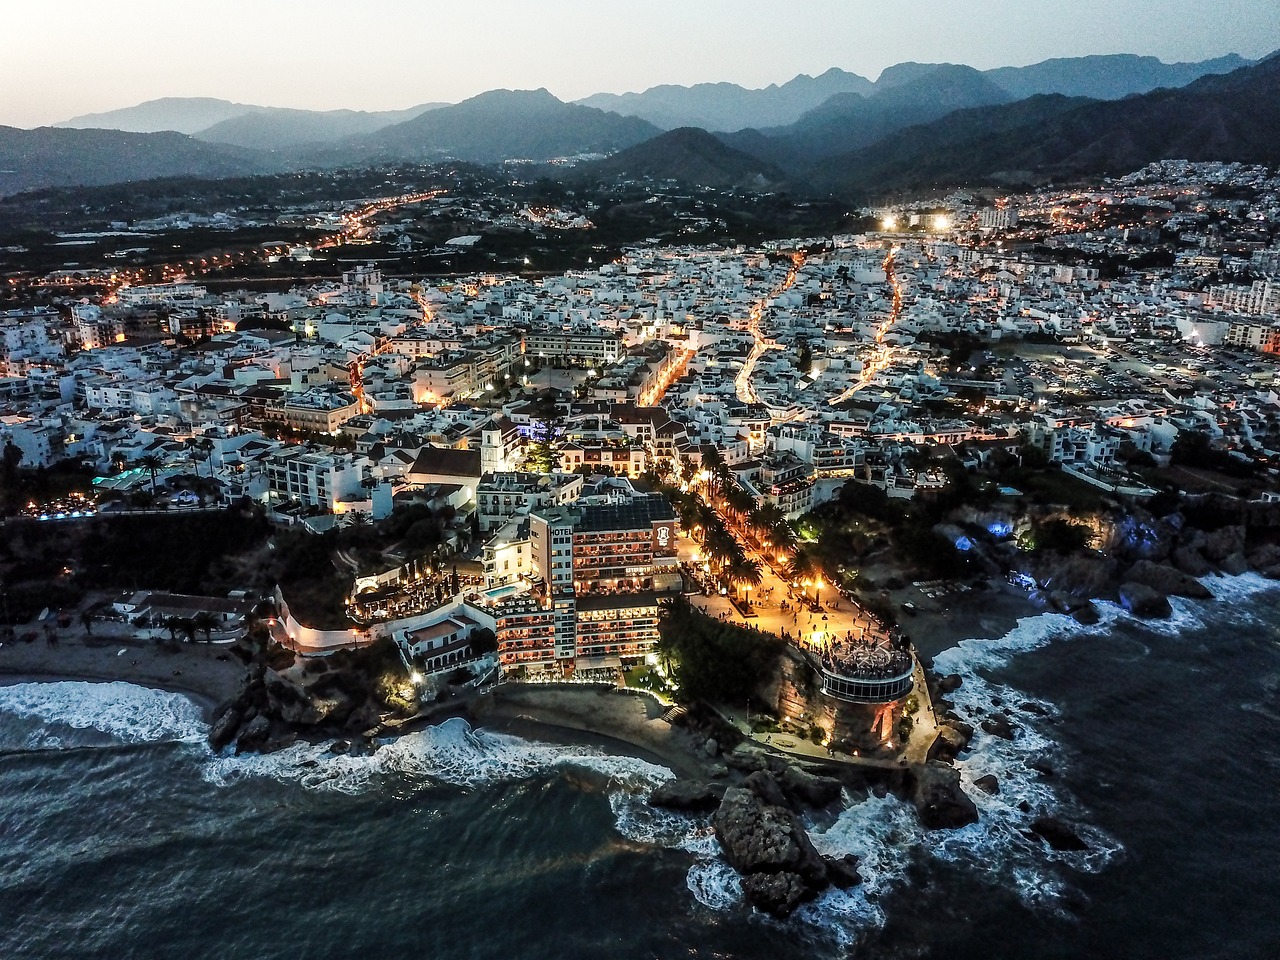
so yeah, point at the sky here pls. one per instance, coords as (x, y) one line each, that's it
(63, 58)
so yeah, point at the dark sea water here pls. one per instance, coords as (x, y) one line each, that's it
(122, 837)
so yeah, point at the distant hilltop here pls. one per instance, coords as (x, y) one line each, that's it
(917, 125)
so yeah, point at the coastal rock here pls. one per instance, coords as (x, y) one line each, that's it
(1264, 556)
(810, 789)
(989, 784)
(254, 735)
(745, 758)
(950, 683)
(1000, 727)
(1086, 615)
(939, 800)
(1234, 564)
(767, 845)
(777, 894)
(764, 786)
(1057, 835)
(1221, 543)
(1142, 601)
(225, 726)
(687, 795)
(1042, 767)
(843, 872)
(1167, 580)
(1189, 561)
(950, 743)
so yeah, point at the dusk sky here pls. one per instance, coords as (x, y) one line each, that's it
(61, 58)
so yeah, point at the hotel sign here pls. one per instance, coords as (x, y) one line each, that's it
(664, 537)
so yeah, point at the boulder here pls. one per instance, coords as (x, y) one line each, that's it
(1057, 834)
(950, 683)
(1189, 561)
(843, 872)
(1234, 564)
(225, 727)
(988, 784)
(1143, 601)
(688, 795)
(764, 786)
(746, 758)
(1167, 580)
(1041, 767)
(778, 893)
(254, 735)
(940, 802)
(1221, 543)
(1264, 556)
(950, 743)
(809, 789)
(767, 845)
(999, 726)
(1086, 615)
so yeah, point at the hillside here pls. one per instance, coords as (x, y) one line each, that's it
(183, 114)
(728, 106)
(50, 157)
(504, 125)
(1231, 117)
(1106, 77)
(688, 155)
(848, 121)
(278, 128)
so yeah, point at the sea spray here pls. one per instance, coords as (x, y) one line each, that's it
(124, 711)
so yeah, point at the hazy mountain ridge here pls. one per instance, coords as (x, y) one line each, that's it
(187, 115)
(688, 155)
(849, 121)
(51, 156)
(505, 125)
(1229, 117)
(282, 128)
(728, 106)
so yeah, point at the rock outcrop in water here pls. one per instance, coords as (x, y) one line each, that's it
(286, 697)
(940, 802)
(766, 843)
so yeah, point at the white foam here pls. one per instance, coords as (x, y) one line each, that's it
(715, 884)
(451, 753)
(128, 712)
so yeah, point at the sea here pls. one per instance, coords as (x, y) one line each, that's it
(123, 836)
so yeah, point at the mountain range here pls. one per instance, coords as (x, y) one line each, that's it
(917, 126)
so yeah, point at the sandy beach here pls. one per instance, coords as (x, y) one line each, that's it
(208, 673)
(631, 721)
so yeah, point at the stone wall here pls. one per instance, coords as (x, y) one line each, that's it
(797, 697)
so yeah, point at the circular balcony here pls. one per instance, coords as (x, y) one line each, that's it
(866, 674)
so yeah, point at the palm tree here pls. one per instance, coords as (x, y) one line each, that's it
(118, 460)
(204, 621)
(737, 501)
(151, 463)
(805, 565)
(743, 571)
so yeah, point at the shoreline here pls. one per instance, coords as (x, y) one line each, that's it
(620, 721)
(194, 670)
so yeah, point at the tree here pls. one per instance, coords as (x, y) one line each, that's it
(804, 358)
(10, 458)
(152, 464)
(204, 621)
(805, 565)
(744, 572)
